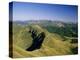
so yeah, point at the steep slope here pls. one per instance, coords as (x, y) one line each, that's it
(52, 45)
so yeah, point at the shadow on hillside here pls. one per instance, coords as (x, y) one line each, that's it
(37, 40)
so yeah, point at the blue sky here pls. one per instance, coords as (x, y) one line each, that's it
(30, 11)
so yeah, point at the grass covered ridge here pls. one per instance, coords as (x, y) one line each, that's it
(53, 43)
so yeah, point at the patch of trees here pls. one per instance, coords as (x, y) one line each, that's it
(63, 31)
(74, 40)
(74, 50)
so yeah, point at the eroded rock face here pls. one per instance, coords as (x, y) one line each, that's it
(37, 40)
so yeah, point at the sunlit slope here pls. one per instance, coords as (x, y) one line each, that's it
(52, 45)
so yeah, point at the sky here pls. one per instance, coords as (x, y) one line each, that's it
(33, 11)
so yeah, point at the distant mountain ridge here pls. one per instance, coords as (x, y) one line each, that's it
(55, 23)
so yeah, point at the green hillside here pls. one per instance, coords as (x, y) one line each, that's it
(53, 43)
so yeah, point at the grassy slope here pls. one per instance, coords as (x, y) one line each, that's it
(52, 45)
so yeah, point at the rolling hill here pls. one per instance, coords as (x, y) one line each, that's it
(53, 43)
